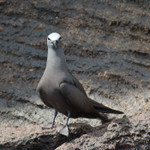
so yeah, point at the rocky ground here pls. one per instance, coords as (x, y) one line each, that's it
(107, 46)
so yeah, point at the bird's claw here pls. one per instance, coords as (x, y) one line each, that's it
(64, 130)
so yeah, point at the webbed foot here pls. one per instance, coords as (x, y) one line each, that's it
(64, 130)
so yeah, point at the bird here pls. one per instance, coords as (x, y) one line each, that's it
(60, 90)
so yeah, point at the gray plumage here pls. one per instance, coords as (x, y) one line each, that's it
(60, 90)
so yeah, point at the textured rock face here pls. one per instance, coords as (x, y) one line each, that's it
(107, 48)
(124, 133)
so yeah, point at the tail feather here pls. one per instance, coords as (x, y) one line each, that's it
(104, 109)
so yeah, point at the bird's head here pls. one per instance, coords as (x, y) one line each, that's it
(53, 40)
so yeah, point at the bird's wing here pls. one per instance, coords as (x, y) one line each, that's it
(75, 97)
(78, 85)
(101, 108)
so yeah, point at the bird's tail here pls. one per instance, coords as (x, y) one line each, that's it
(104, 109)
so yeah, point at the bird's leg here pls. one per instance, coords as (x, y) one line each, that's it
(68, 117)
(55, 115)
(64, 129)
(50, 125)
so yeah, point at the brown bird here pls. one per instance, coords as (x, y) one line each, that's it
(60, 90)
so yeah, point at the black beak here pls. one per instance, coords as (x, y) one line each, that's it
(55, 43)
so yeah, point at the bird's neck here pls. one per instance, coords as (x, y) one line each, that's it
(56, 59)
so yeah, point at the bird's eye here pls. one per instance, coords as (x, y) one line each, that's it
(60, 38)
(48, 38)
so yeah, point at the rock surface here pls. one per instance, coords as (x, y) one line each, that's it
(107, 47)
